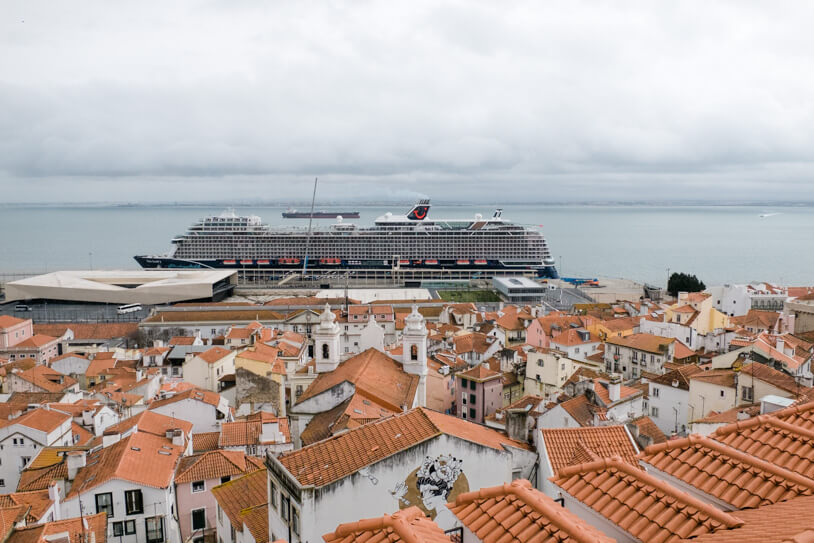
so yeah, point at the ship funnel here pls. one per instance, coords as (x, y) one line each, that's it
(419, 211)
(498, 213)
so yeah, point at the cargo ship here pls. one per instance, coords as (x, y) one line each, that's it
(482, 246)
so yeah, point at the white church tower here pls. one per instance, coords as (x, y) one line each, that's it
(326, 342)
(414, 351)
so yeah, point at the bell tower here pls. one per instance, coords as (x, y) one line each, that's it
(326, 342)
(414, 351)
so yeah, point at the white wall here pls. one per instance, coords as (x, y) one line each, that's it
(669, 397)
(201, 415)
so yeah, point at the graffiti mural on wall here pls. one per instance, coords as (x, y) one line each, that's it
(430, 486)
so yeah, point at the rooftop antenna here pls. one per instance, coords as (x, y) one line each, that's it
(308, 238)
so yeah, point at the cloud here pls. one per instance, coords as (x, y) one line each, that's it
(466, 100)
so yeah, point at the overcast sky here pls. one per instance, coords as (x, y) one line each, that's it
(494, 101)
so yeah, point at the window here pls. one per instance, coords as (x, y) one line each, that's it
(198, 519)
(747, 394)
(722, 393)
(133, 502)
(129, 527)
(472, 398)
(155, 529)
(273, 491)
(25, 460)
(325, 351)
(104, 502)
(471, 412)
(198, 486)
(220, 515)
(118, 528)
(225, 479)
(2, 482)
(654, 411)
(285, 505)
(472, 385)
(655, 392)
(295, 520)
(414, 352)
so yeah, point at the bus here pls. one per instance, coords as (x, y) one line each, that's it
(128, 308)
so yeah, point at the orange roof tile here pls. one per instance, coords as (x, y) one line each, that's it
(769, 375)
(242, 493)
(518, 513)
(572, 446)
(83, 330)
(38, 501)
(256, 519)
(214, 465)
(80, 435)
(335, 458)
(199, 394)
(723, 378)
(94, 527)
(205, 441)
(732, 476)
(643, 342)
(644, 506)
(47, 379)
(480, 373)
(625, 392)
(151, 423)
(785, 522)
(679, 377)
(45, 420)
(406, 526)
(7, 321)
(126, 460)
(373, 372)
(648, 428)
(579, 407)
(214, 354)
(248, 432)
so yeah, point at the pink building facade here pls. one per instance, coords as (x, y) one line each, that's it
(478, 393)
(18, 341)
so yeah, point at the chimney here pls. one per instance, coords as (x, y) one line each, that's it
(76, 460)
(158, 343)
(516, 424)
(270, 432)
(176, 435)
(743, 415)
(110, 437)
(53, 495)
(615, 388)
(781, 344)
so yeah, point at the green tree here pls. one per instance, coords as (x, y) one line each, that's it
(684, 282)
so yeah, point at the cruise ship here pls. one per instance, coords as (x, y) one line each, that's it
(395, 243)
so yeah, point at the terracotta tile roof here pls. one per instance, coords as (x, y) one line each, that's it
(35, 341)
(357, 410)
(572, 337)
(205, 441)
(45, 420)
(93, 527)
(769, 375)
(242, 493)
(82, 330)
(214, 465)
(7, 321)
(762, 320)
(373, 372)
(648, 428)
(38, 501)
(337, 457)
(730, 415)
(248, 432)
(256, 520)
(625, 392)
(682, 351)
(723, 378)
(406, 526)
(471, 342)
(644, 506)
(181, 340)
(785, 522)
(643, 342)
(621, 324)
(47, 379)
(786, 440)
(579, 408)
(127, 460)
(151, 423)
(199, 394)
(518, 513)
(99, 366)
(684, 309)
(214, 354)
(80, 435)
(480, 373)
(678, 378)
(572, 446)
(49, 465)
(732, 476)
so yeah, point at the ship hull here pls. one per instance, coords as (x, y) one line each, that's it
(490, 268)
